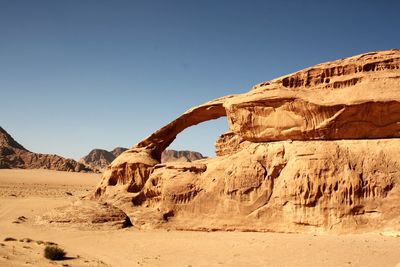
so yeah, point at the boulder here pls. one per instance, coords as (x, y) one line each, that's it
(86, 214)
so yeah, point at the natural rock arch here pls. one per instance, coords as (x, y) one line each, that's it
(161, 139)
(301, 152)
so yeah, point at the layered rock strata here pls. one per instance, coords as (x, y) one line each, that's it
(316, 150)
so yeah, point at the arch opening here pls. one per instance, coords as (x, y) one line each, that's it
(201, 137)
(157, 142)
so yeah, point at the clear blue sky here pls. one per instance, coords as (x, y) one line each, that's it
(77, 75)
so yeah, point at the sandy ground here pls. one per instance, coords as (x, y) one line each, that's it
(24, 194)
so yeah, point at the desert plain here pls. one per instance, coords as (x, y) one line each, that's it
(26, 194)
(308, 174)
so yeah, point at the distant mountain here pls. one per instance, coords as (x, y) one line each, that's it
(14, 155)
(118, 150)
(183, 155)
(99, 159)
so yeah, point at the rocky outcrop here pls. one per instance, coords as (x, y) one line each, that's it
(316, 150)
(14, 155)
(339, 186)
(87, 215)
(99, 159)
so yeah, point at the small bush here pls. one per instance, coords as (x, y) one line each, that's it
(54, 253)
(10, 239)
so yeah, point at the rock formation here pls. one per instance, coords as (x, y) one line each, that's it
(316, 150)
(99, 159)
(14, 155)
(118, 151)
(87, 215)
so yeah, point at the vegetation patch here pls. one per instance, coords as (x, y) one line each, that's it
(27, 240)
(54, 253)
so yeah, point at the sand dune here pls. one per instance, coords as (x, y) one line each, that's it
(25, 194)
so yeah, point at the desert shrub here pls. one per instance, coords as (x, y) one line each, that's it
(54, 253)
(10, 239)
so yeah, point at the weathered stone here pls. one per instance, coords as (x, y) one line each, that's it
(86, 214)
(316, 150)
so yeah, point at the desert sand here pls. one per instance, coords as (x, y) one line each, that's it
(26, 194)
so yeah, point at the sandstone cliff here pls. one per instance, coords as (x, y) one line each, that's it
(99, 159)
(316, 150)
(14, 155)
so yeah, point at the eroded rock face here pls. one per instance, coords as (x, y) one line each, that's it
(282, 165)
(281, 186)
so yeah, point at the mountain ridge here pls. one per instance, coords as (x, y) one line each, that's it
(14, 155)
(99, 159)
